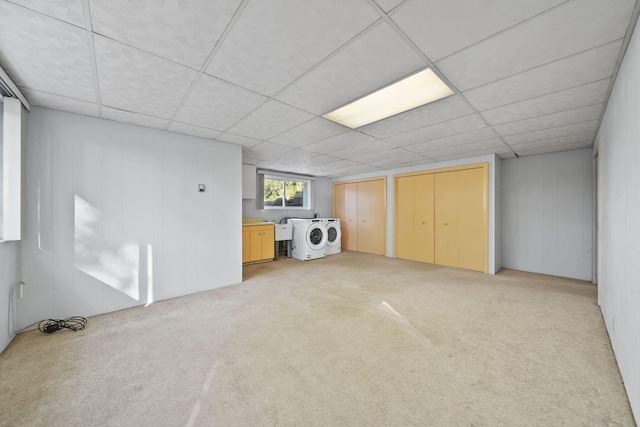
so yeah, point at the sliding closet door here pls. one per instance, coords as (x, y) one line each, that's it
(472, 220)
(446, 219)
(414, 218)
(424, 218)
(371, 216)
(349, 226)
(461, 219)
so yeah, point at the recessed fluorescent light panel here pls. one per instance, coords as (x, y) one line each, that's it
(418, 89)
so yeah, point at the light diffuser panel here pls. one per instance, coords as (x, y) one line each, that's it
(418, 89)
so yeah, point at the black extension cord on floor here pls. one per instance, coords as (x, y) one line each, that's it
(75, 323)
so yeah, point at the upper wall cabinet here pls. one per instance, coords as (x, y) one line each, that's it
(248, 182)
(441, 216)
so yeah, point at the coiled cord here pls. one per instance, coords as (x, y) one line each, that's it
(75, 323)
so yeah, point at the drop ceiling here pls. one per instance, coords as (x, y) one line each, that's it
(529, 77)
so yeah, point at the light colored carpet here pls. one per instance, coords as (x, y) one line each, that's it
(352, 339)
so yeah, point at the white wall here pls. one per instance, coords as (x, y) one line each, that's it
(547, 216)
(619, 228)
(114, 218)
(322, 200)
(8, 272)
(494, 226)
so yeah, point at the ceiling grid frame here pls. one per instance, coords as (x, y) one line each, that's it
(431, 65)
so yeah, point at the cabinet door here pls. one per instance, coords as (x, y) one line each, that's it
(349, 226)
(246, 244)
(267, 243)
(255, 252)
(424, 218)
(371, 217)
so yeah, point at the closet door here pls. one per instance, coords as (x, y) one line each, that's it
(472, 220)
(349, 226)
(371, 217)
(414, 218)
(424, 218)
(405, 218)
(461, 219)
(446, 219)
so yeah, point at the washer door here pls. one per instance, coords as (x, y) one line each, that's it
(316, 236)
(333, 235)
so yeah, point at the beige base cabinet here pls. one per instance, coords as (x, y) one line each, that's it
(258, 242)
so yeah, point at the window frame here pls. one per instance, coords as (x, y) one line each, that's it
(279, 176)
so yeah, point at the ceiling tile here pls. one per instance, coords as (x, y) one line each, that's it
(276, 41)
(45, 54)
(133, 118)
(309, 132)
(493, 143)
(387, 5)
(239, 140)
(292, 158)
(216, 104)
(469, 154)
(376, 58)
(65, 10)
(576, 70)
(363, 148)
(565, 130)
(264, 150)
(394, 157)
(442, 27)
(440, 130)
(578, 138)
(133, 80)
(340, 165)
(57, 102)
(320, 160)
(194, 130)
(580, 25)
(184, 32)
(270, 119)
(339, 142)
(555, 149)
(354, 169)
(451, 141)
(435, 112)
(577, 115)
(579, 96)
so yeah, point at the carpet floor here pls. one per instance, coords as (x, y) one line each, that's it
(352, 339)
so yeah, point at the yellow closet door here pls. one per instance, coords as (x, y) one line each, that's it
(446, 218)
(371, 217)
(472, 219)
(405, 218)
(424, 220)
(349, 226)
(461, 219)
(414, 218)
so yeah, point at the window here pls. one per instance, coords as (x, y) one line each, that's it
(284, 191)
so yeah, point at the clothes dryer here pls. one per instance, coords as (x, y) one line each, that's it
(334, 235)
(309, 239)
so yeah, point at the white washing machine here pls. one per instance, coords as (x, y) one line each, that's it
(334, 235)
(309, 239)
